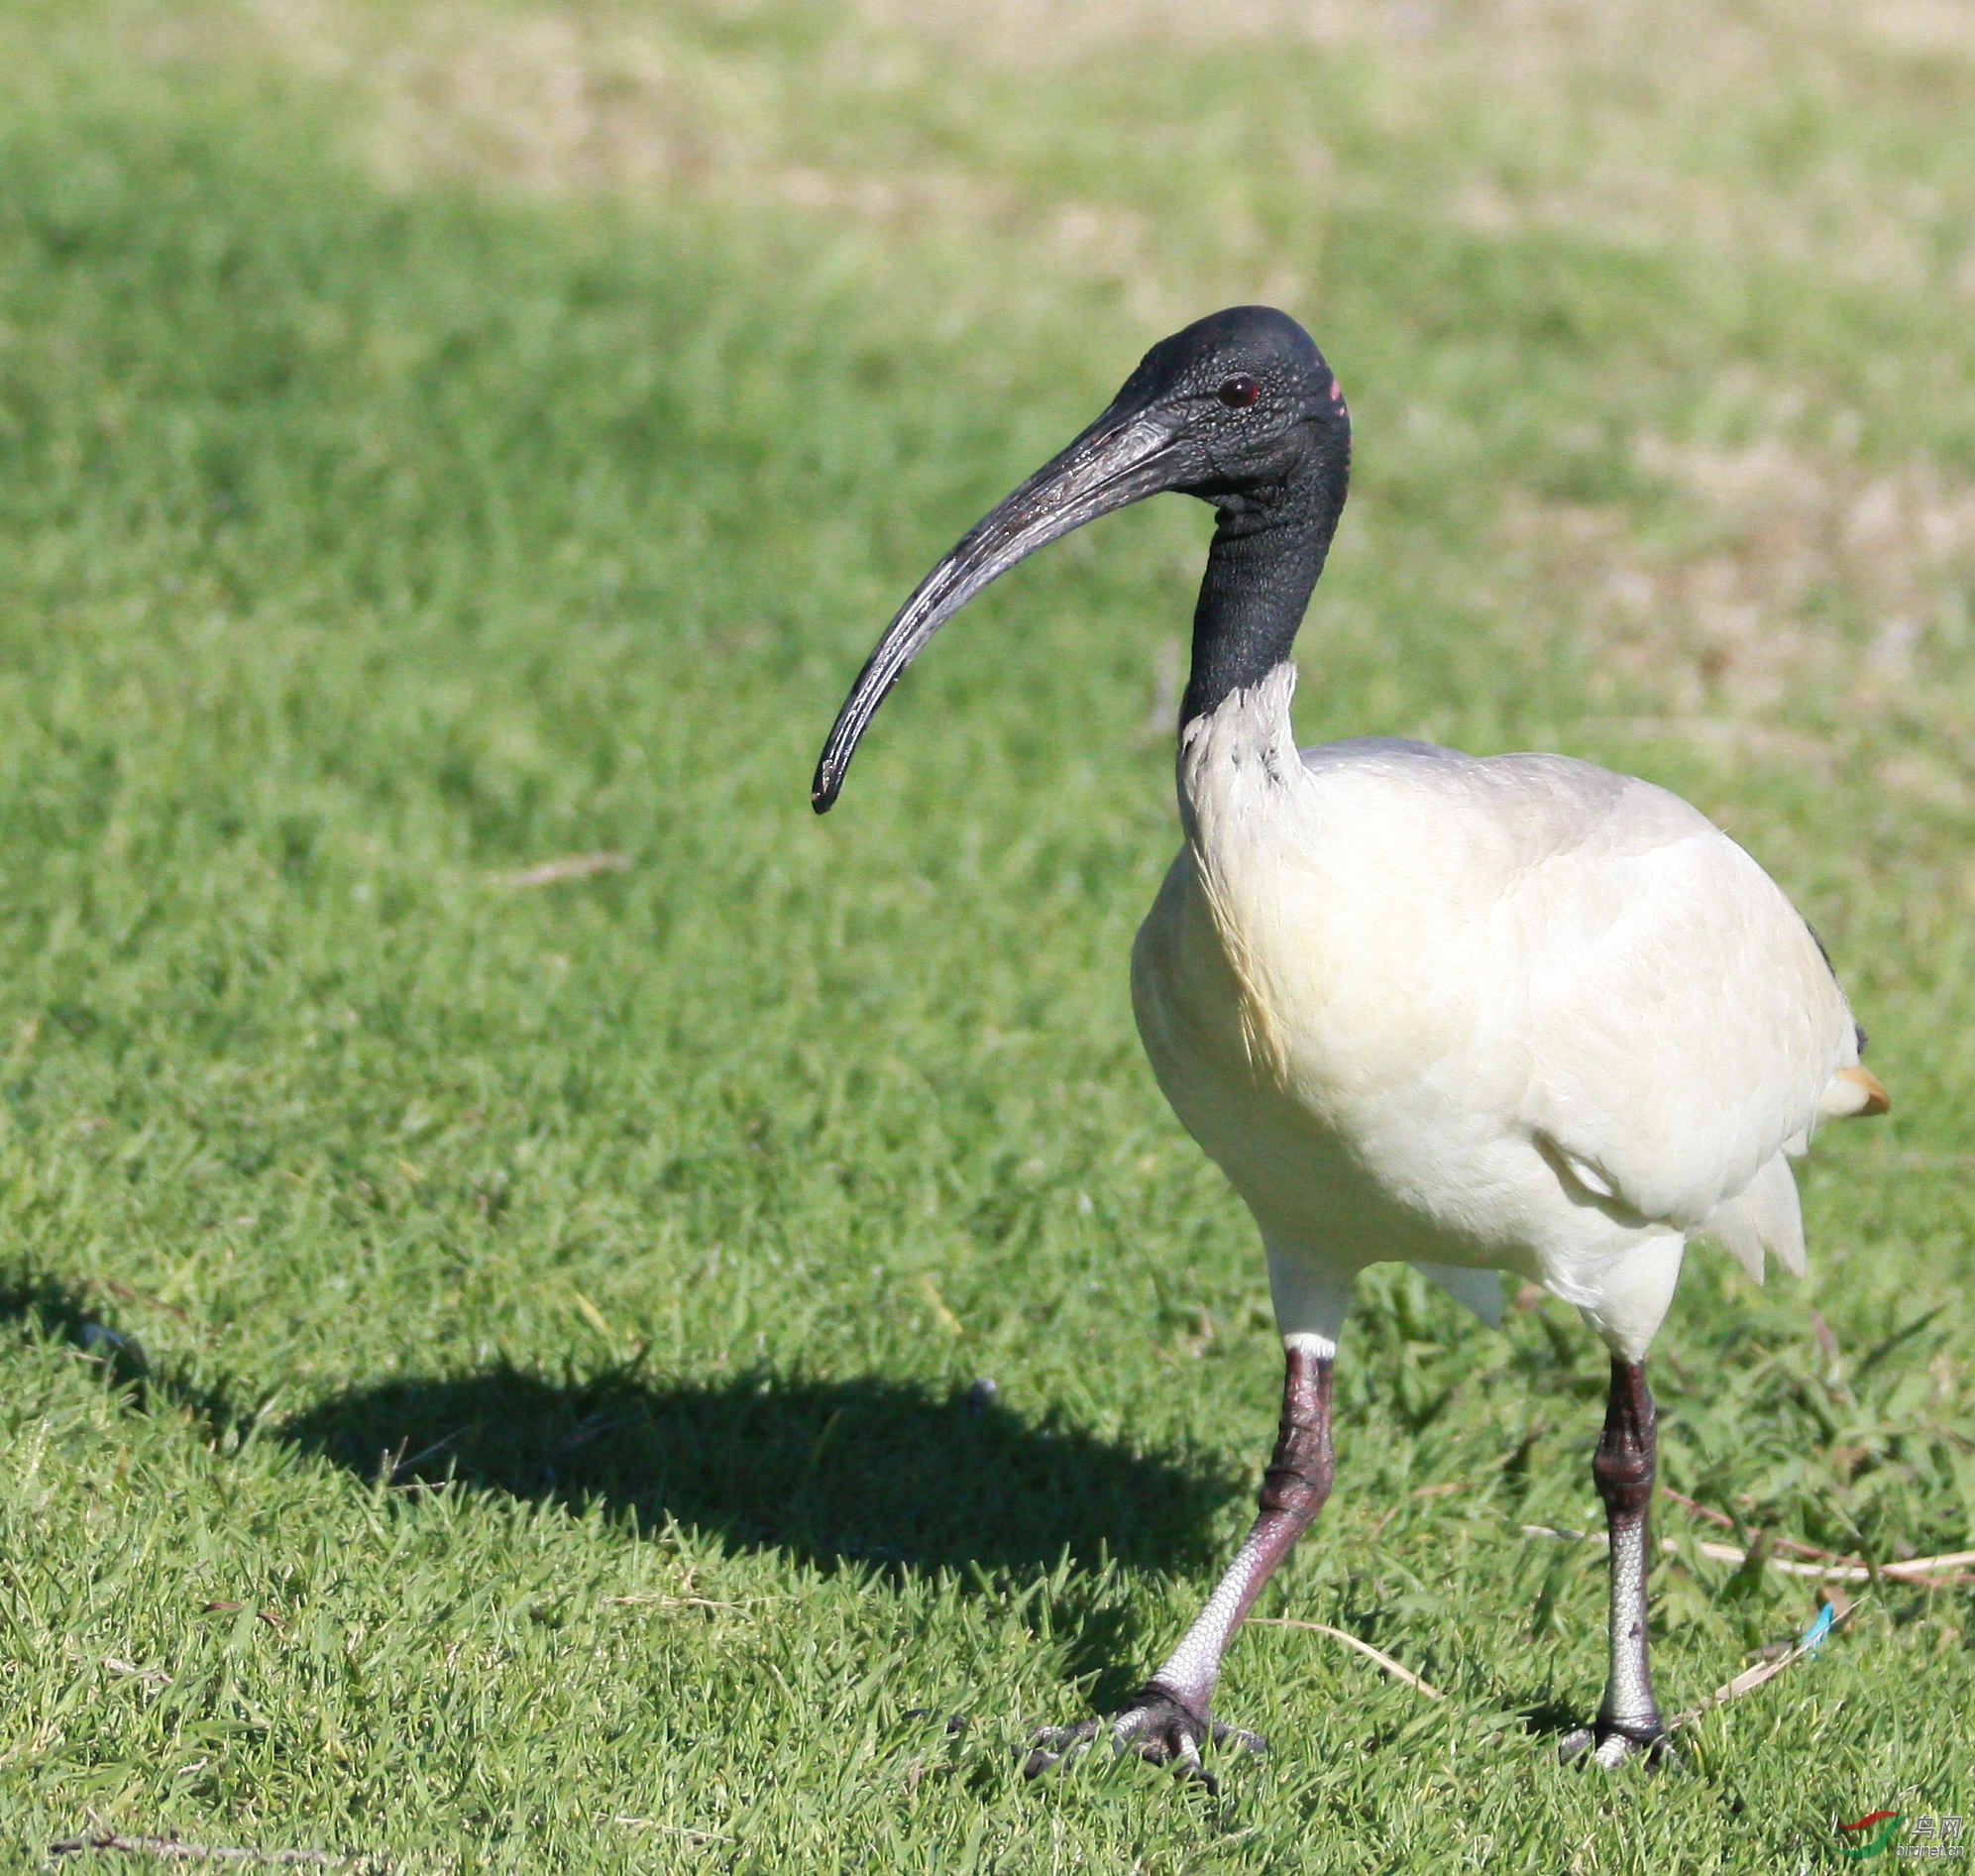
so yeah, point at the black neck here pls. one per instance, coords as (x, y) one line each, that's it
(1261, 570)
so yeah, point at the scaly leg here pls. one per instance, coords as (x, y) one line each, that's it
(1168, 1720)
(1623, 1467)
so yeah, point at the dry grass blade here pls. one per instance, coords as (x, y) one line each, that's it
(570, 866)
(1724, 1521)
(1953, 1565)
(1950, 1566)
(1763, 1672)
(1364, 1648)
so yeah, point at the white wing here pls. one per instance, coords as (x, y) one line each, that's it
(1682, 1024)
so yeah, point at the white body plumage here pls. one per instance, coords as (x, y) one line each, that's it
(1509, 1014)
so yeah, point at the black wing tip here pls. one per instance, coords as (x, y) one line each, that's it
(824, 790)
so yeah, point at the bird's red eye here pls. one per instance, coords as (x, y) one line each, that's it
(1238, 393)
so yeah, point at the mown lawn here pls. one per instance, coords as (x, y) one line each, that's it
(491, 1366)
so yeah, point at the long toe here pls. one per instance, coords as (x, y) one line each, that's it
(1049, 1746)
(1576, 1743)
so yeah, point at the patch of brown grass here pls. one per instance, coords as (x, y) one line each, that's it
(1605, 119)
(1816, 571)
(549, 103)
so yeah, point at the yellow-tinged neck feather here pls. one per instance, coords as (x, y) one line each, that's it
(1237, 764)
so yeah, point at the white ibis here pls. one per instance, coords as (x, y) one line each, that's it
(1508, 1013)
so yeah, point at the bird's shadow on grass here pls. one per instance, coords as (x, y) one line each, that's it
(867, 1472)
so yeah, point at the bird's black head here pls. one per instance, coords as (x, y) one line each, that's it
(1240, 410)
(1254, 410)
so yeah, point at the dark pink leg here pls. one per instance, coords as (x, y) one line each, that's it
(1623, 1467)
(1169, 1719)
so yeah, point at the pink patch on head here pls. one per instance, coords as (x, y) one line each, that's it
(1337, 392)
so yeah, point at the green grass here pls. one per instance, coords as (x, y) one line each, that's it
(542, 1433)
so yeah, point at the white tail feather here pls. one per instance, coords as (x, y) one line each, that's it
(1763, 1216)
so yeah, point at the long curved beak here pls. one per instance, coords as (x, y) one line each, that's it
(1121, 458)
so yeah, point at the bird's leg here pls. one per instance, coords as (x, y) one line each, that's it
(1623, 1467)
(1168, 1720)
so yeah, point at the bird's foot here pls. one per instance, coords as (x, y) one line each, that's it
(1158, 1726)
(1609, 1744)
